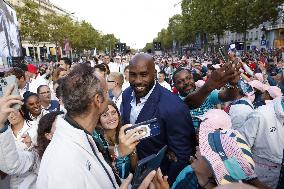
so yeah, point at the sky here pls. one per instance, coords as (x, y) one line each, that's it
(134, 22)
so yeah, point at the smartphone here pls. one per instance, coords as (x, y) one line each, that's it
(150, 127)
(225, 56)
(5, 83)
(146, 165)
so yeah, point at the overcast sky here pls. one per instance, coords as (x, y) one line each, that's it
(134, 22)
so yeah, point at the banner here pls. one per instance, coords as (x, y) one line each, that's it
(9, 33)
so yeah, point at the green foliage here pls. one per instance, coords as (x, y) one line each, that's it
(242, 15)
(32, 24)
(108, 42)
(214, 17)
(36, 27)
(147, 47)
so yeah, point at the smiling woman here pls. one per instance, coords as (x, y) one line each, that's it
(32, 107)
(108, 133)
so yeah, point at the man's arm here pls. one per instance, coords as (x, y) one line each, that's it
(180, 138)
(218, 79)
(12, 161)
(197, 98)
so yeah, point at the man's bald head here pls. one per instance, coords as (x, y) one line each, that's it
(142, 74)
(143, 57)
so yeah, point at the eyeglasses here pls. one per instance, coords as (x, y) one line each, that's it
(43, 93)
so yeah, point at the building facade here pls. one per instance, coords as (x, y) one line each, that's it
(44, 50)
(267, 35)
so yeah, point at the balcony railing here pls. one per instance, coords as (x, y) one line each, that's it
(275, 27)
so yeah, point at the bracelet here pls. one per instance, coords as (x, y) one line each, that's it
(133, 153)
(116, 151)
(229, 86)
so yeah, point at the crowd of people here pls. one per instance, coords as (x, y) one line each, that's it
(221, 120)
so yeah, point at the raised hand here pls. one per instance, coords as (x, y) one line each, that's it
(6, 102)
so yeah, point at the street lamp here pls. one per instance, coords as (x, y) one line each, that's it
(44, 51)
(263, 29)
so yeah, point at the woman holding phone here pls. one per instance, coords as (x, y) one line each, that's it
(108, 133)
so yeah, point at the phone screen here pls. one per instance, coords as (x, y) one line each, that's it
(146, 165)
(150, 128)
(5, 83)
(223, 54)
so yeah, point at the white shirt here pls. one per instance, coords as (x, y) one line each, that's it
(26, 88)
(125, 85)
(263, 130)
(136, 108)
(166, 85)
(34, 126)
(118, 101)
(239, 113)
(35, 83)
(116, 67)
(19, 138)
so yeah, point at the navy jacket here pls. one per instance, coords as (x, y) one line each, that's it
(176, 126)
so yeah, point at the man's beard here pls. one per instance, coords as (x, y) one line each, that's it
(145, 92)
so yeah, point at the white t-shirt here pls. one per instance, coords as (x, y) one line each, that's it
(35, 83)
(115, 67)
(27, 129)
(125, 85)
(166, 85)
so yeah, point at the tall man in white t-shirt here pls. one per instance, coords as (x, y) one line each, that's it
(162, 82)
(114, 82)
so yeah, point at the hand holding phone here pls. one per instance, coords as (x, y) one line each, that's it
(6, 102)
(5, 83)
(154, 178)
(128, 141)
(149, 128)
(146, 166)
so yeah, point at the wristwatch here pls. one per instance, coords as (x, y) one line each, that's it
(5, 128)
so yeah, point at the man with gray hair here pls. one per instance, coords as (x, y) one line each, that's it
(73, 159)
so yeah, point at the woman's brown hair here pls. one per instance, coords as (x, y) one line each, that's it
(56, 73)
(100, 128)
(44, 127)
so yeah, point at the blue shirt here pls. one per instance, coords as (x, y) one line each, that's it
(186, 179)
(53, 106)
(122, 164)
(211, 101)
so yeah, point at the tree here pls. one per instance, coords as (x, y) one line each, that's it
(149, 46)
(36, 27)
(243, 15)
(84, 36)
(32, 23)
(108, 42)
(59, 28)
(208, 17)
(165, 37)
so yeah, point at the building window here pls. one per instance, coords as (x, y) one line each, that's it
(256, 35)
